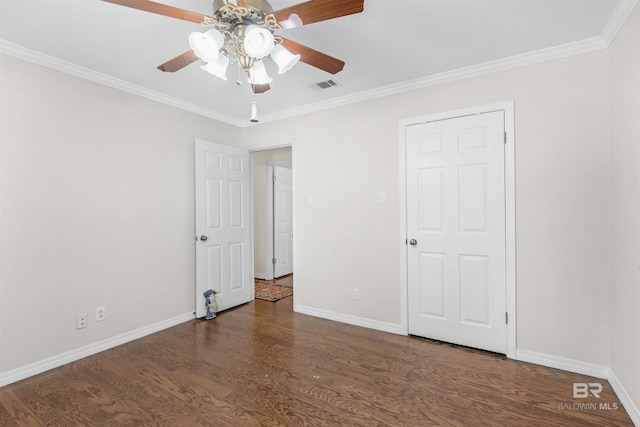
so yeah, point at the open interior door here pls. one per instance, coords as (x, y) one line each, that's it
(282, 221)
(224, 247)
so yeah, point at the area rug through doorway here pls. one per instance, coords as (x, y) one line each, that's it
(269, 290)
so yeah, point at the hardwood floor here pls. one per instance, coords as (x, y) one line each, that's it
(263, 365)
(284, 280)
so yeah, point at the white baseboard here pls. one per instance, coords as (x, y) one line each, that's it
(260, 276)
(351, 320)
(88, 350)
(625, 399)
(584, 368)
(576, 366)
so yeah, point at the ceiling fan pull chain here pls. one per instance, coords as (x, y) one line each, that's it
(254, 113)
(239, 75)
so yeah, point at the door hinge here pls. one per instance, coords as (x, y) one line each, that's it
(273, 178)
(273, 261)
(506, 317)
(505, 137)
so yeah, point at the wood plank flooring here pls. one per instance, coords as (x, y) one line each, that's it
(263, 365)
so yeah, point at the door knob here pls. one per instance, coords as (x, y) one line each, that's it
(203, 238)
(413, 242)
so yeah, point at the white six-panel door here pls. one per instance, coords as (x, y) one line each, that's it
(224, 253)
(456, 230)
(283, 221)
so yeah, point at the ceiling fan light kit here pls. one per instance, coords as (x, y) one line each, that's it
(258, 74)
(293, 22)
(207, 45)
(258, 42)
(217, 68)
(243, 34)
(284, 59)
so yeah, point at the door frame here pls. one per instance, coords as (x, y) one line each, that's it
(269, 226)
(272, 146)
(510, 215)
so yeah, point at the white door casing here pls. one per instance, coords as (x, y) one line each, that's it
(223, 210)
(455, 193)
(282, 221)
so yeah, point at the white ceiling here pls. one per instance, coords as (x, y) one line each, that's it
(392, 46)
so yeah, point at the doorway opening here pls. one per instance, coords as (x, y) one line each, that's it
(273, 223)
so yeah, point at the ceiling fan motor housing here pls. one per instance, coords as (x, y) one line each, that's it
(257, 10)
(234, 21)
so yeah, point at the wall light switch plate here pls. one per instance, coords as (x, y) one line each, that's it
(101, 313)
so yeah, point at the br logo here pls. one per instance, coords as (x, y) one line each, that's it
(583, 390)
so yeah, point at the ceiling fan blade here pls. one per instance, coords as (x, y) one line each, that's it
(260, 88)
(179, 62)
(162, 9)
(320, 10)
(313, 57)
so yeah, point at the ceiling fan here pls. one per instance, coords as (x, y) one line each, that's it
(243, 32)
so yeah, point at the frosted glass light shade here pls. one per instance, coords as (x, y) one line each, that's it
(283, 58)
(258, 42)
(258, 74)
(292, 22)
(206, 46)
(218, 68)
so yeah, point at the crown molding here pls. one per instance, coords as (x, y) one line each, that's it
(543, 55)
(53, 63)
(619, 17)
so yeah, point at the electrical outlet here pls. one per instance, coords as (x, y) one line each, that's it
(81, 321)
(356, 293)
(101, 313)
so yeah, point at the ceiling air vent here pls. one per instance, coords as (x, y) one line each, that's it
(327, 84)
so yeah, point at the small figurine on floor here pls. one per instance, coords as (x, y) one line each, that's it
(211, 304)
